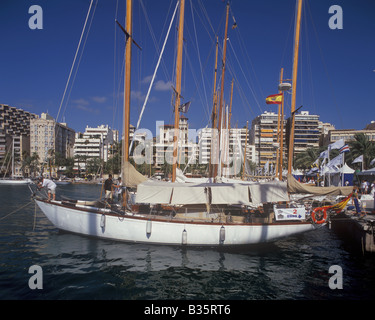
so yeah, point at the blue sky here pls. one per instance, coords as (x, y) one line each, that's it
(336, 77)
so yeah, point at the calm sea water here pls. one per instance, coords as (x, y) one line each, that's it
(78, 267)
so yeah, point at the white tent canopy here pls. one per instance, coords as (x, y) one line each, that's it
(333, 170)
(368, 172)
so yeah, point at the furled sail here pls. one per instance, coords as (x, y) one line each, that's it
(131, 176)
(296, 187)
(252, 194)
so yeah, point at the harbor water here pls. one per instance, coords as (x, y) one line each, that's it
(76, 267)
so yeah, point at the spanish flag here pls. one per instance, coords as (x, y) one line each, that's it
(275, 99)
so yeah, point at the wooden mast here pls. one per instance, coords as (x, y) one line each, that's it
(294, 85)
(178, 87)
(128, 57)
(278, 128)
(222, 82)
(244, 155)
(229, 116)
(281, 145)
(230, 105)
(214, 114)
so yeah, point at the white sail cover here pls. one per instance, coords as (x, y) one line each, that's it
(252, 194)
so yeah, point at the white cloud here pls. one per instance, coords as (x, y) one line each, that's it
(146, 79)
(137, 95)
(87, 109)
(163, 86)
(99, 99)
(81, 102)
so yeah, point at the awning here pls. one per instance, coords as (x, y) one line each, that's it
(253, 194)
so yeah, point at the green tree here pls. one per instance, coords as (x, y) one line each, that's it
(69, 164)
(305, 159)
(361, 145)
(93, 165)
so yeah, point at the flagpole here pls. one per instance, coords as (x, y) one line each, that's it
(342, 169)
(329, 174)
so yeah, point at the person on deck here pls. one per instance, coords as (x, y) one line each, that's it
(108, 185)
(355, 200)
(50, 185)
(372, 192)
(120, 189)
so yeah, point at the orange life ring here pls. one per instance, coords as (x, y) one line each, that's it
(318, 212)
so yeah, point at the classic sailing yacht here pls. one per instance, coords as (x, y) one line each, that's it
(196, 214)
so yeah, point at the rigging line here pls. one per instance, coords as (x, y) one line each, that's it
(286, 42)
(241, 93)
(325, 67)
(154, 75)
(69, 77)
(165, 70)
(2, 218)
(74, 60)
(309, 62)
(70, 74)
(196, 81)
(243, 73)
(243, 49)
(208, 19)
(114, 67)
(213, 41)
(199, 58)
(80, 57)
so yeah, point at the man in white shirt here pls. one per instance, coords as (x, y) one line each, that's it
(50, 185)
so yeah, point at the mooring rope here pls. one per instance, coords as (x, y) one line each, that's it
(2, 218)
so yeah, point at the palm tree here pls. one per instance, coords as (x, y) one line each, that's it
(34, 163)
(305, 159)
(361, 145)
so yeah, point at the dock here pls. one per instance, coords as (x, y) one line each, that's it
(358, 228)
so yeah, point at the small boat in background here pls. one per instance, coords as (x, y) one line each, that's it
(15, 181)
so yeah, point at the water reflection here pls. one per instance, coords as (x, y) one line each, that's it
(77, 253)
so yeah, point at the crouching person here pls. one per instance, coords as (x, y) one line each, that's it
(50, 185)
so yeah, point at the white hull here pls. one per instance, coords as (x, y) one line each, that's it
(15, 182)
(138, 228)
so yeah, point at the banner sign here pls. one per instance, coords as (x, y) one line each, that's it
(282, 214)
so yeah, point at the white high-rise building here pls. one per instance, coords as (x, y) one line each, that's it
(187, 150)
(93, 143)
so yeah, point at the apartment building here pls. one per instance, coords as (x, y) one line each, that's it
(93, 143)
(14, 126)
(263, 135)
(234, 144)
(238, 136)
(187, 150)
(348, 134)
(306, 131)
(48, 136)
